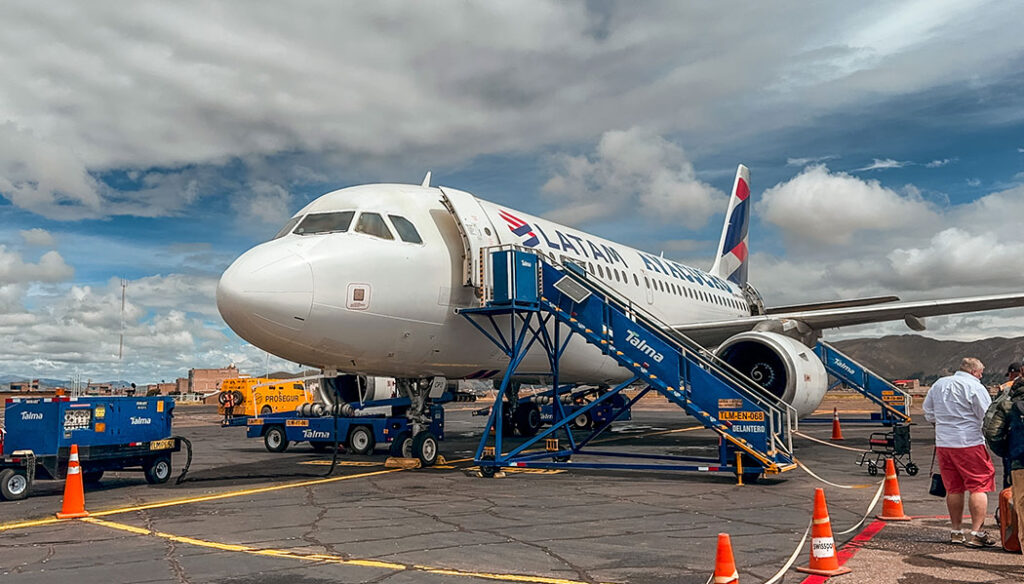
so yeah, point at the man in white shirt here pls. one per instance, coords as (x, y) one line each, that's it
(957, 405)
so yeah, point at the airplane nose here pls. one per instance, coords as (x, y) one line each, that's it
(266, 293)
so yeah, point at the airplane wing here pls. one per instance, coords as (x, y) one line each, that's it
(713, 333)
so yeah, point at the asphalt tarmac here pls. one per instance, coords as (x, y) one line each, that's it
(248, 516)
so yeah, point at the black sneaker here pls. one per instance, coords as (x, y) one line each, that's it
(980, 539)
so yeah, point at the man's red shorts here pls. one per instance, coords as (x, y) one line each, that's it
(966, 469)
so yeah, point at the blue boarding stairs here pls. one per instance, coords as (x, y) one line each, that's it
(535, 304)
(894, 403)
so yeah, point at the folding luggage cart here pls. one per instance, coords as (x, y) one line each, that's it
(894, 444)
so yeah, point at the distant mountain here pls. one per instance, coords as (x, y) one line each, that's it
(6, 378)
(917, 357)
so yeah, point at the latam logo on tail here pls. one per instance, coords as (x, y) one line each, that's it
(520, 228)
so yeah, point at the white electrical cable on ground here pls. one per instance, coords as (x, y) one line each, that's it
(819, 441)
(792, 558)
(836, 485)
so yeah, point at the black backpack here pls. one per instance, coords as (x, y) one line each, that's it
(1015, 431)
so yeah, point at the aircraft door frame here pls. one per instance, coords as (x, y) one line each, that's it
(647, 284)
(475, 229)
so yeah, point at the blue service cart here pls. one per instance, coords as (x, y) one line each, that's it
(112, 433)
(360, 434)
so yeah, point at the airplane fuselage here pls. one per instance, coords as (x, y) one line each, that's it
(354, 300)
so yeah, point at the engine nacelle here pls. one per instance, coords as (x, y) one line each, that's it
(784, 366)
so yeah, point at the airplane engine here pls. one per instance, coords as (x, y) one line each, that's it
(784, 366)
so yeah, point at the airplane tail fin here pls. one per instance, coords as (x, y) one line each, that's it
(731, 259)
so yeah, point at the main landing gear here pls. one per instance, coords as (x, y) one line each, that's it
(420, 442)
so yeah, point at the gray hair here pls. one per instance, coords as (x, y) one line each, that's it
(971, 364)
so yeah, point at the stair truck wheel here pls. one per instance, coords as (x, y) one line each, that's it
(424, 447)
(361, 440)
(158, 469)
(528, 419)
(275, 439)
(401, 447)
(14, 485)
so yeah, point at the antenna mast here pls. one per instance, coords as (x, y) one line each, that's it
(120, 344)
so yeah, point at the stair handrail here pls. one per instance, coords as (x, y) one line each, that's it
(779, 412)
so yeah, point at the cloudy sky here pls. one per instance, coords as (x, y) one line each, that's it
(154, 142)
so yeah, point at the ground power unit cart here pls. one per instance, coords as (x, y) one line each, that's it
(112, 433)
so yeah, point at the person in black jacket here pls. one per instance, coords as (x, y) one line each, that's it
(1005, 436)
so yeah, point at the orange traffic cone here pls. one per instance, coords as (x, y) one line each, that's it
(837, 432)
(823, 546)
(74, 494)
(725, 566)
(892, 503)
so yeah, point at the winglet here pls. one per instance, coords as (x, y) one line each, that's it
(426, 180)
(731, 259)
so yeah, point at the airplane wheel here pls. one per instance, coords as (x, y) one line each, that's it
(401, 447)
(275, 439)
(361, 440)
(424, 447)
(528, 419)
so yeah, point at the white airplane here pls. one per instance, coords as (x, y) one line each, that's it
(368, 280)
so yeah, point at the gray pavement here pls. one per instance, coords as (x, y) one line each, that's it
(248, 516)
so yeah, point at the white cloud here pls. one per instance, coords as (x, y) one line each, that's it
(50, 268)
(939, 163)
(38, 237)
(878, 164)
(955, 257)
(265, 203)
(809, 160)
(170, 326)
(178, 87)
(631, 169)
(825, 207)
(974, 182)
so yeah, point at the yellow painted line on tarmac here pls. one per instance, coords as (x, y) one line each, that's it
(201, 499)
(326, 558)
(344, 463)
(32, 523)
(242, 493)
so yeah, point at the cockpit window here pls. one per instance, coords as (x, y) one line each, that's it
(406, 230)
(373, 224)
(325, 223)
(287, 227)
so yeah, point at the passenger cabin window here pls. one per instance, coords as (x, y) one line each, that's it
(373, 224)
(287, 227)
(406, 230)
(325, 223)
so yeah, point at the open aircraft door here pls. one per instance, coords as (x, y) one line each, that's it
(476, 231)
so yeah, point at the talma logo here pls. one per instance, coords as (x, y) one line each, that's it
(634, 339)
(137, 420)
(843, 365)
(31, 416)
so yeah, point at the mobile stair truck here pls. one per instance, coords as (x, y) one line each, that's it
(112, 433)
